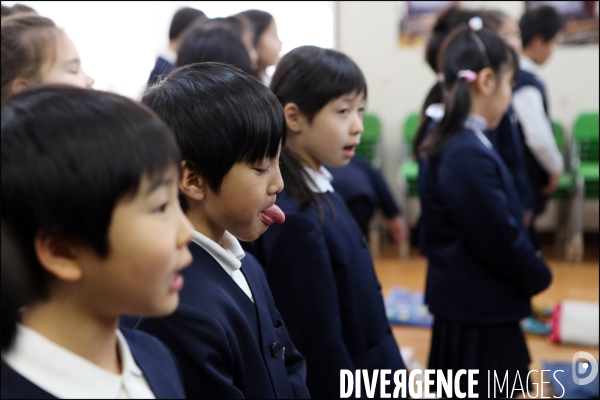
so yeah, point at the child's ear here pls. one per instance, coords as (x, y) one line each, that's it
(191, 183)
(294, 118)
(486, 81)
(57, 255)
(19, 84)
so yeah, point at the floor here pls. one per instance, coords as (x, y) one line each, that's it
(571, 281)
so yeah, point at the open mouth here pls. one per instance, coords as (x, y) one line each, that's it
(349, 150)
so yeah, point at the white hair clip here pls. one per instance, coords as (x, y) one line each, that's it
(475, 24)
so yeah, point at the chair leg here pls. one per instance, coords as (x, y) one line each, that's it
(574, 246)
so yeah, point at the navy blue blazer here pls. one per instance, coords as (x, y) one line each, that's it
(228, 346)
(483, 268)
(358, 179)
(161, 67)
(154, 359)
(324, 284)
(538, 177)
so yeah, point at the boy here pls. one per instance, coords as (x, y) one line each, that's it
(540, 28)
(89, 184)
(182, 19)
(227, 334)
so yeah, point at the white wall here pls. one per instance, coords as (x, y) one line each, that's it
(398, 78)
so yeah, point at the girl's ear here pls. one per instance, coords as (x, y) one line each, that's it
(58, 256)
(191, 183)
(294, 118)
(19, 84)
(486, 81)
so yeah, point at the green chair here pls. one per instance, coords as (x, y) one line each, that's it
(368, 149)
(585, 135)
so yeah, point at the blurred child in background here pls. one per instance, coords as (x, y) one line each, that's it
(89, 183)
(266, 41)
(482, 267)
(318, 262)
(36, 51)
(182, 19)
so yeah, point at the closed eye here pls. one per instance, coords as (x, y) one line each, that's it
(162, 208)
(262, 170)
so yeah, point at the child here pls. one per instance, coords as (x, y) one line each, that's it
(36, 51)
(482, 268)
(89, 183)
(317, 262)
(215, 41)
(182, 19)
(266, 41)
(227, 334)
(539, 31)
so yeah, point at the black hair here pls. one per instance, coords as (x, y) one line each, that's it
(465, 49)
(446, 22)
(5, 10)
(16, 285)
(217, 43)
(544, 21)
(260, 22)
(68, 156)
(311, 77)
(182, 19)
(220, 116)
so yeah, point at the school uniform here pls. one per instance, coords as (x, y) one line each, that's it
(482, 267)
(542, 156)
(324, 283)
(226, 333)
(363, 189)
(36, 367)
(163, 65)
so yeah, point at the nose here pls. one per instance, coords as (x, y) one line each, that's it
(186, 229)
(357, 126)
(89, 81)
(276, 185)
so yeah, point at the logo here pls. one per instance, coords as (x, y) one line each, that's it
(581, 369)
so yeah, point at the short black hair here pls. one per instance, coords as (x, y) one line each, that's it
(68, 156)
(214, 43)
(311, 76)
(260, 22)
(220, 116)
(543, 20)
(182, 19)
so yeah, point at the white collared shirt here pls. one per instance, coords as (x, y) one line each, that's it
(321, 180)
(228, 255)
(168, 55)
(528, 105)
(478, 124)
(67, 375)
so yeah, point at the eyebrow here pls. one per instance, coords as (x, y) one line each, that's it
(158, 182)
(73, 61)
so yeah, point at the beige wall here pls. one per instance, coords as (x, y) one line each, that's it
(398, 78)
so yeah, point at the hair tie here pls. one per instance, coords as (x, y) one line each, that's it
(475, 24)
(469, 75)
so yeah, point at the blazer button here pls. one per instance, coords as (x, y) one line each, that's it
(275, 348)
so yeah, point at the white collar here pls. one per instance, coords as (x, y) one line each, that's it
(320, 181)
(526, 64)
(228, 254)
(65, 374)
(477, 124)
(169, 55)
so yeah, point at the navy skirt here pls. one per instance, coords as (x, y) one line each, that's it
(498, 348)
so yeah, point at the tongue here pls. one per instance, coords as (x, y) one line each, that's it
(272, 215)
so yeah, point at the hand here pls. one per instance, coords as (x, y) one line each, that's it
(398, 230)
(527, 217)
(552, 184)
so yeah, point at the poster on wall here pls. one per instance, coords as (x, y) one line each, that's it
(416, 18)
(581, 20)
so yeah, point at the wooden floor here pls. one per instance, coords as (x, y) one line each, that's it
(570, 281)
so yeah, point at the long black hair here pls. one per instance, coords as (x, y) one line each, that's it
(311, 77)
(465, 49)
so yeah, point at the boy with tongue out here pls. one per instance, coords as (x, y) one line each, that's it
(227, 334)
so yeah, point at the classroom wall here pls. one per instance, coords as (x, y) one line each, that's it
(398, 78)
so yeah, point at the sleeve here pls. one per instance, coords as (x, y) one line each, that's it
(302, 281)
(386, 201)
(537, 129)
(481, 209)
(201, 346)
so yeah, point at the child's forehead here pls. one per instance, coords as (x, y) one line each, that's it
(357, 95)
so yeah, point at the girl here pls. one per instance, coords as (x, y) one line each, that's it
(266, 41)
(317, 262)
(36, 51)
(483, 268)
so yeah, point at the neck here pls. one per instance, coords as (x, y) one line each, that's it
(79, 330)
(197, 216)
(305, 158)
(529, 54)
(174, 46)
